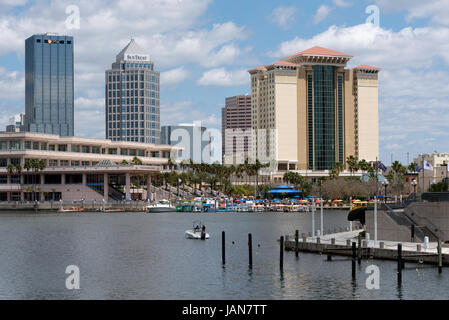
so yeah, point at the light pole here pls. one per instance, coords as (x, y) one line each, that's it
(414, 183)
(385, 183)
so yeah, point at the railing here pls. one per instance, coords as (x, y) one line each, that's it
(403, 220)
(425, 223)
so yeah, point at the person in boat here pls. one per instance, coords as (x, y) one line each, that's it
(203, 232)
(197, 228)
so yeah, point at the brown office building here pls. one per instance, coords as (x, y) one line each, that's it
(236, 129)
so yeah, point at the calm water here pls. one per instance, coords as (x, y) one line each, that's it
(145, 256)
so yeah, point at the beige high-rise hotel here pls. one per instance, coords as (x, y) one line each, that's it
(309, 111)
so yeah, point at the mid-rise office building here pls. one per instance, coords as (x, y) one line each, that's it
(194, 140)
(132, 97)
(49, 99)
(236, 129)
(309, 111)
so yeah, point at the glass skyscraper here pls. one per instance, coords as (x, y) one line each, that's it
(132, 97)
(49, 99)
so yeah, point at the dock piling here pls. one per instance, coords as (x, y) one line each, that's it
(400, 266)
(250, 250)
(296, 243)
(223, 252)
(354, 254)
(359, 249)
(440, 257)
(281, 252)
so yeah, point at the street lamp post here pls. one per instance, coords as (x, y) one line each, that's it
(414, 183)
(385, 183)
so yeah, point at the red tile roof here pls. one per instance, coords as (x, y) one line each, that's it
(364, 66)
(257, 68)
(319, 51)
(283, 63)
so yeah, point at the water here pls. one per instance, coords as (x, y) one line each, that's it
(145, 256)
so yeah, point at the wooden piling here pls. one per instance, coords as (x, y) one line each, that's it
(296, 243)
(250, 250)
(329, 257)
(359, 249)
(440, 257)
(281, 252)
(223, 250)
(354, 255)
(399, 257)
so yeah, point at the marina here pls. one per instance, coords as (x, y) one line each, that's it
(126, 255)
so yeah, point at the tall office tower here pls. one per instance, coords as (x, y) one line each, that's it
(310, 112)
(49, 96)
(236, 129)
(132, 97)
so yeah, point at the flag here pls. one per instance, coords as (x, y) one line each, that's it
(382, 167)
(418, 168)
(427, 166)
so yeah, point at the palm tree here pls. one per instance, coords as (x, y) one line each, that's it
(363, 165)
(352, 164)
(136, 161)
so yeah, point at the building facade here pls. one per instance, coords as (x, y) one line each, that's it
(132, 97)
(440, 164)
(194, 139)
(16, 123)
(236, 129)
(75, 168)
(49, 82)
(310, 112)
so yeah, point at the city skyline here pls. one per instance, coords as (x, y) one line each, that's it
(203, 55)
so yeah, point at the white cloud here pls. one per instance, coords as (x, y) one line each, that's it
(222, 77)
(283, 16)
(409, 47)
(322, 13)
(14, 3)
(342, 3)
(12, 84)
(185, 112)
(436, 10)
(174, 76)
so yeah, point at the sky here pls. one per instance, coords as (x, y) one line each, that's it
(203, 49)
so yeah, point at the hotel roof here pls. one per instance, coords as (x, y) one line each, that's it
(314, 55)
(366, 67)
(319, 51)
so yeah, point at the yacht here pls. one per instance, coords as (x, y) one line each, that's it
(161, 206)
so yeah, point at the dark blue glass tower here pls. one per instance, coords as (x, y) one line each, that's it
(49, 99)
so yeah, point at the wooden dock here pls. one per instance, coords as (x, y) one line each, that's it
(340, 244)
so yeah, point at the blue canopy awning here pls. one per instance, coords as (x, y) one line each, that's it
(274, 191)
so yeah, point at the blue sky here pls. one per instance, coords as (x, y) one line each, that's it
(203, 49)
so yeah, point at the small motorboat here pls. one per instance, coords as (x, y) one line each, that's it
(71, 210)
(161, 206)
(198, 231)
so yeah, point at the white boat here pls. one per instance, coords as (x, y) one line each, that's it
(196, 232)
(161, 206)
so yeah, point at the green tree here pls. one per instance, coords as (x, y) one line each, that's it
(353, 165)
